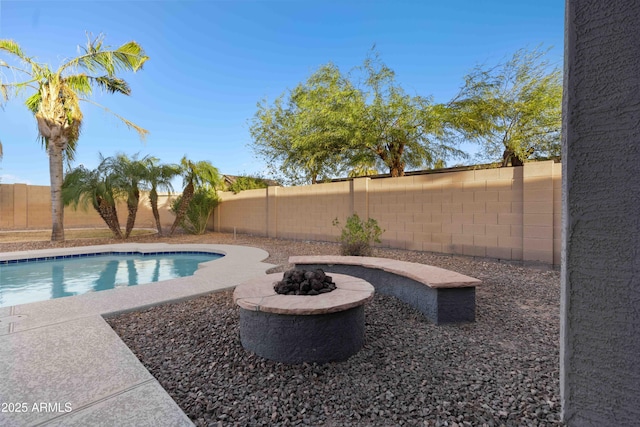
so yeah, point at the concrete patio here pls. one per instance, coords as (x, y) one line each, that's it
(61, 363)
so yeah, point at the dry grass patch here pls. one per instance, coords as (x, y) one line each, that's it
(70, 234)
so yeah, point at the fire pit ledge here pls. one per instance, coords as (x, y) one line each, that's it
(300, 328)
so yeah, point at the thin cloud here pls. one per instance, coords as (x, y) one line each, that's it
(13, 179)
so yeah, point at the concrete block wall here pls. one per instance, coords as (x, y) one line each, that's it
(307, 212)
(477, 212)
(302, 213)
(7, 214)
(38, 206)
(504, 213)
(24, 207)
(247, 211)
(537, 212)
(144, 217)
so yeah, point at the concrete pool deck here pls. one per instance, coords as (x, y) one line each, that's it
(61, 364)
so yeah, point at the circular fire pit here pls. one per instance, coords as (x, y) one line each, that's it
(302, 328)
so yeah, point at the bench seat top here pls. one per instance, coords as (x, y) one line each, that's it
(429, 275)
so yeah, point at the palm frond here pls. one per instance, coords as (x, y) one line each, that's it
(13, 48)
(14, 88)
(79, 83)
(142, 132)
(70, 152)
(112, 84)
(78, 188)
(33, 102)
(130, 57)
(133, 54)
(13, 68)
(159, 176)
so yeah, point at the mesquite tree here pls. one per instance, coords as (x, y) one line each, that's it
(364, 121)
(513, 110)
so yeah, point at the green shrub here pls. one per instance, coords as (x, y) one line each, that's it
(199, 211)
(247, 183)
(357, 236)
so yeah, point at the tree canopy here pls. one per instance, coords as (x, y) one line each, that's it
(305, 136)
(242, 183)
(513, 110)
(396, 130)
(331, 124)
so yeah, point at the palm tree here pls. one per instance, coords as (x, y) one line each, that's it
(158, 177)
(128, 174)
(197, 174)
(82, 186)
(55, 101)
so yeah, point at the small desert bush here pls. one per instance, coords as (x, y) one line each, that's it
(199, 211)
(357, 236)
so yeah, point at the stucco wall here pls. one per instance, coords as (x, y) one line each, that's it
(600, 330)
(505, 213)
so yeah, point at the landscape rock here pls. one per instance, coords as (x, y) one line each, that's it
(501, 370)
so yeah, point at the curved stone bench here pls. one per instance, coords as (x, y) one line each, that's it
(443, 296)
(302, 328)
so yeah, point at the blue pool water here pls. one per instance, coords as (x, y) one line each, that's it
(38, 280)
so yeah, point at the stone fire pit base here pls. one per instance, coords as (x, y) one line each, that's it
(299, 328)
(319, 338)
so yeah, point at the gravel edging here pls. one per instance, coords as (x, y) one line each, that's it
(502, 370)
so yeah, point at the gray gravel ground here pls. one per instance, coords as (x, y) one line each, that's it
(501, 370)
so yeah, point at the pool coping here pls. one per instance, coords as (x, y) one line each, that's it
(62, 351)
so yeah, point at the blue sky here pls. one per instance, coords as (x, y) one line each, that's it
(212, 61)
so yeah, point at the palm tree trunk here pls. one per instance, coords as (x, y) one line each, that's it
(131, 219)
(153, 198)
(114, 224)
(132, 208)
(187, 195)
(110, 216)
(56, 176)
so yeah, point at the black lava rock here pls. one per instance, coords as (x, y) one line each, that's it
(304, 282)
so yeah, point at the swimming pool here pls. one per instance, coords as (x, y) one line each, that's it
(38, 279)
